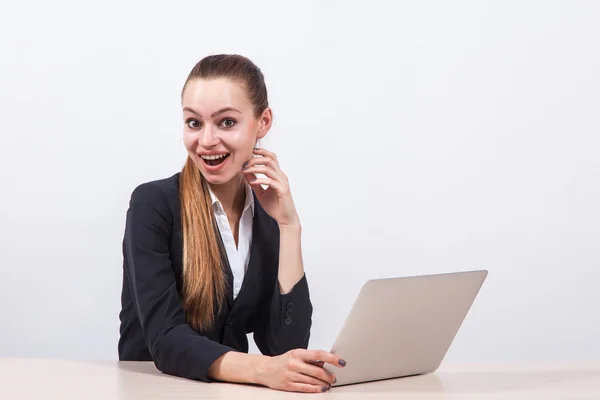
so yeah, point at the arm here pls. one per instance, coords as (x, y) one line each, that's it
(291, 268)
(175, 347)
(291, 288)
(286, 324)
(293, 371)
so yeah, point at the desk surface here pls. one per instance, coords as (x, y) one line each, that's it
(57, 379)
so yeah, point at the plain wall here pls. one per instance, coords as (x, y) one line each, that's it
(419, 137)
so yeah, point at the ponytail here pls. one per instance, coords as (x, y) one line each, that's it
(204, 281)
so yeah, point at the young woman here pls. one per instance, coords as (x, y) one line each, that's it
(210, 255)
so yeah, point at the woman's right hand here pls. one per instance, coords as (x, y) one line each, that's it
(299, 370)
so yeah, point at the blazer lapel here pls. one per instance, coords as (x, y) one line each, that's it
(258, 249)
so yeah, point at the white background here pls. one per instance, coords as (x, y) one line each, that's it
(419, 137)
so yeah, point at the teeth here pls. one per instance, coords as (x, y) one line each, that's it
(215, 157)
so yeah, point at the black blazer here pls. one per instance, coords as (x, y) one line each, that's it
(153, 324)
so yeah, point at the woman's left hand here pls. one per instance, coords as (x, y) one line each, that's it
(276, 199)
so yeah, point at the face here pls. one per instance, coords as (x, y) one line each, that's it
(220, 128)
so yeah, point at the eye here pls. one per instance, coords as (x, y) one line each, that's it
(228, 123)
(193, 123)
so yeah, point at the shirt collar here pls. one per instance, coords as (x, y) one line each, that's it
(248, 203)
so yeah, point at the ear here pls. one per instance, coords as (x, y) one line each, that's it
(264, 123)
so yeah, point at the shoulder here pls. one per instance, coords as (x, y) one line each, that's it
(152, 213)
(160, 190)
(156, 199)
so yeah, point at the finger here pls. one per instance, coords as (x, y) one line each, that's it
(268, 171)
(321, 355)
(265, 153)
(257, 188)
(317, 363)
(268, 182)
(302, 378)
(265, 158)
(263, 161)
(306, 388)
(315, 372)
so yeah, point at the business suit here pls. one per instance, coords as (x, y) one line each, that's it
(153, 324)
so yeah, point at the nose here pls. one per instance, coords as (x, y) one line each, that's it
(208, 137)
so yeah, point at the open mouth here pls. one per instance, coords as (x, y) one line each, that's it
(214, 160)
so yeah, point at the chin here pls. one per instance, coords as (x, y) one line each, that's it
(217, 179)
(214, 181)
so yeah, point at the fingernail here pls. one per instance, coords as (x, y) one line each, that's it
(334, 380)
(342, 363)
(253, 180)
(324, 389)
(245, 165)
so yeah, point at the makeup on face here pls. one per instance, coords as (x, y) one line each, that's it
(220, 128)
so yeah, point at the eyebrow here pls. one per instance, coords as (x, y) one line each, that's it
(221, 111)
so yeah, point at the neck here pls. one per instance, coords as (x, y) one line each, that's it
(232, 194)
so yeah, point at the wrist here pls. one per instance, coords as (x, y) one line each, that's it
(239, 367)
(257, 366)
(294, 226)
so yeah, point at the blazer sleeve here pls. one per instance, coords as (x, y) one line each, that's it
(175, 347)
(286, 324)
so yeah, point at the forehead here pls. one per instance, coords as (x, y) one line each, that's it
(208, 96)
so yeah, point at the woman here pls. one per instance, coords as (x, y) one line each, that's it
(210, 255)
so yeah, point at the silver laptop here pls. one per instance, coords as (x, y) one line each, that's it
(400, 327)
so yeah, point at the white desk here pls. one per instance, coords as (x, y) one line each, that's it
(65, 380)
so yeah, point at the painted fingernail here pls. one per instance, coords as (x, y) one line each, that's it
(324, 389)
(245, 165)
(334, 380)
(253, 180)
(342, 363)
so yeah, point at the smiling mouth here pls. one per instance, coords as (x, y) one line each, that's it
(214, 160)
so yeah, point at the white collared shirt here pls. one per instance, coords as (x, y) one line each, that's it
(238, 256)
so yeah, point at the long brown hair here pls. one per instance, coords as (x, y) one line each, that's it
(204, 279)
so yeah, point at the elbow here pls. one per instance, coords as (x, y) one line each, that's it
(160, 355)
(157, 358)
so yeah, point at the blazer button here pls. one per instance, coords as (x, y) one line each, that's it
(288, 313)
(288, 321)
(230, 320)
(290, 305)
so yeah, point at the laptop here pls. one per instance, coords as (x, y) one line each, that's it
(401, 327)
